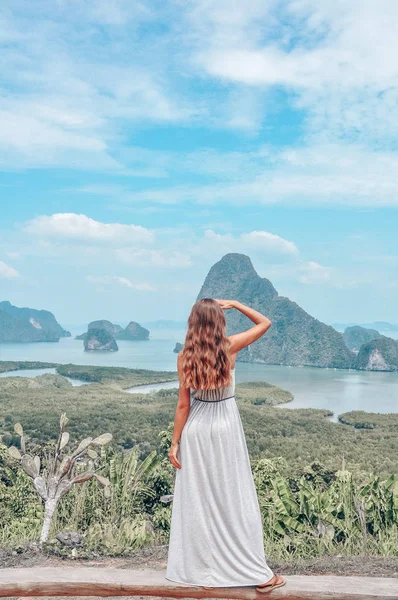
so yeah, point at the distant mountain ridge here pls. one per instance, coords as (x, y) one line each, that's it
(28, 325)
(163, 324)
(295, 338)
(378, 325)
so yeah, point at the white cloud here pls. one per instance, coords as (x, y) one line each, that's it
(281, 259)
(123, 281)
(153, 258)
(73, 96)
(145, 287)
(269, 241)
(322, 174)
(259, 242)
(266, 249)
(314, 273)
(81, 227)
(69, 86)
(335, 58)
(7, 272)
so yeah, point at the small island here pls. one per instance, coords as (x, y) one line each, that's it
(101, 335)
(134, 332)
(99, 340)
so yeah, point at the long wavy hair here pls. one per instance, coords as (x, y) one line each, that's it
(205, 359)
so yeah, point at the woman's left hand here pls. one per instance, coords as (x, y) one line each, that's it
(225, 304)
(173, 456)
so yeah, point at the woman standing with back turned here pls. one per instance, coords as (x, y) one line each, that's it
(216, 537)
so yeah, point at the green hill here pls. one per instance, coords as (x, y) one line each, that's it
(28, 325)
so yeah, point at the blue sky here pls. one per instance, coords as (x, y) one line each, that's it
(141, 141)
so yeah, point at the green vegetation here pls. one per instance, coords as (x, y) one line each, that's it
(261, 392)
(326, 512)
(11, 365)
(309, 512)
(118, 376)
(299, 436)
(112, 523)
(55, 473)
(324, 488)
(364, 420)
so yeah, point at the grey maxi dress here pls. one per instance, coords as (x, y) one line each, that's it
(216, 537)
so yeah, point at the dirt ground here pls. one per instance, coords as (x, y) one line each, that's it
(155, 558)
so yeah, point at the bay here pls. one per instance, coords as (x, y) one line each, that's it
(337, 390)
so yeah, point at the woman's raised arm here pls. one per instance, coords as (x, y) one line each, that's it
(241, 340)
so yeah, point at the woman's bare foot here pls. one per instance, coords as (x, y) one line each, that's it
(277, 581)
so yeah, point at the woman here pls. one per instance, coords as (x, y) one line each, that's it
(216, 537)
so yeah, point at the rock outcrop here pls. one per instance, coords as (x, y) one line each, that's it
(101, 324)
(378, 355)
(99, 340)
(178, 347)
(28, 325)
(355, 336)
(134, 332)
(295, 338)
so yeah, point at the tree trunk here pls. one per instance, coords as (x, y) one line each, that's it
(50, 506)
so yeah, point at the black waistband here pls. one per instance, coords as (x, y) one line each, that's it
(220, 400)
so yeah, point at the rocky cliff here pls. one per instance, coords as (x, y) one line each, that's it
(295, 338)
(101, 324)
(134, 332)
(28, 325)
(378, 355)
(355, 336)
(99, 340)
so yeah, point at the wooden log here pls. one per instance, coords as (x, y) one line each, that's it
(103, 582)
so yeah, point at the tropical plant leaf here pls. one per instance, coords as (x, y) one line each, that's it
(14, 452)
(40, 486)
(63, 421)
(64, 440)
(102, 480)
(84, 444)
(103, 439)
(37, 463)
(18, 429)
(29, 466)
